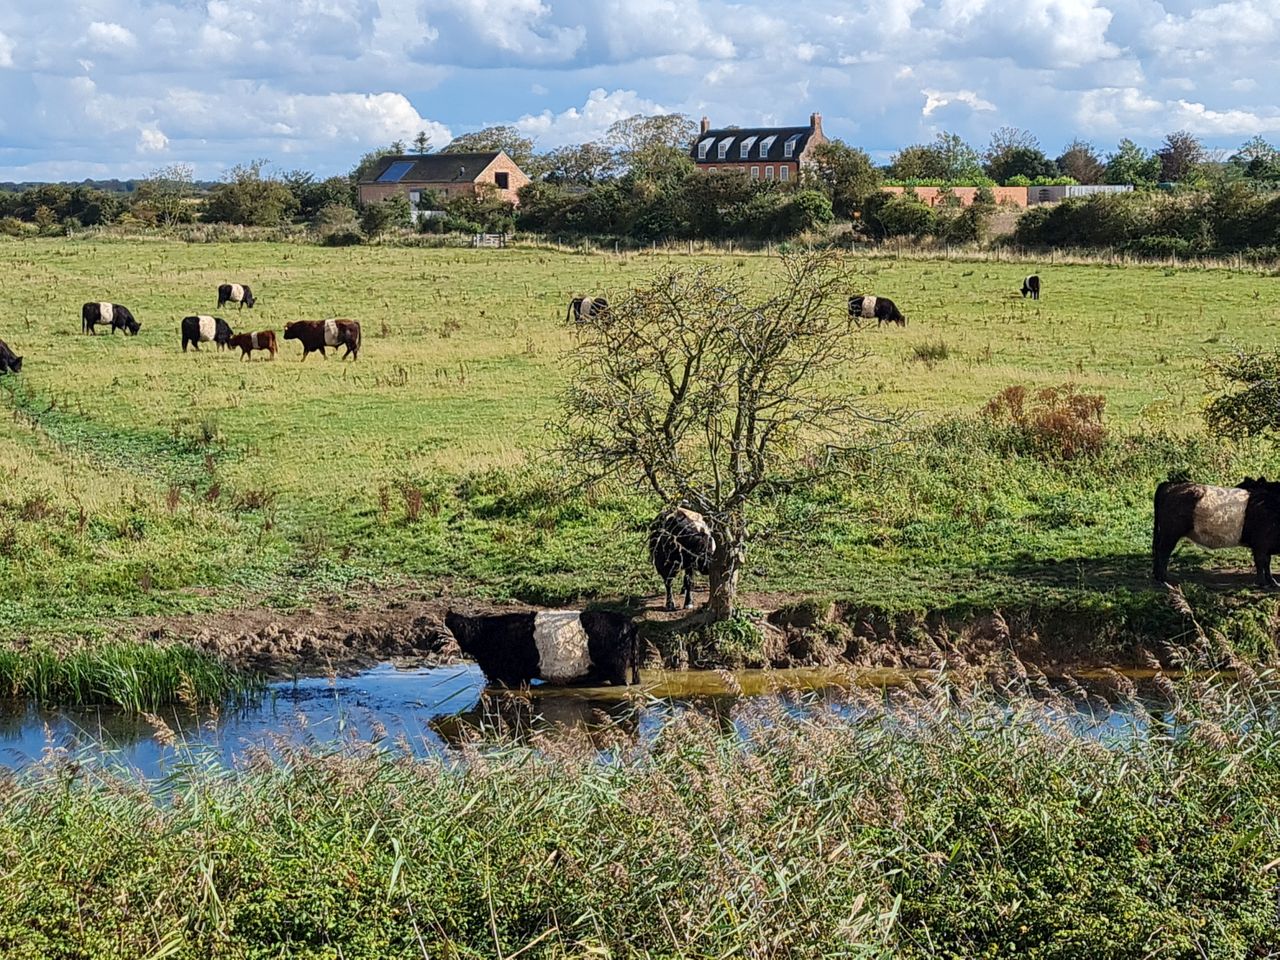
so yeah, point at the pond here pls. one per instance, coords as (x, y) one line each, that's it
(421, 710)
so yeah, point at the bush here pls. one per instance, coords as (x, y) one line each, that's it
(1055, 423)
(1248, 394)
(390, 214)
(906, 216)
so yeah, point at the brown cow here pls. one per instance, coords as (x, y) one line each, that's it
(248, 342)
(318, 334)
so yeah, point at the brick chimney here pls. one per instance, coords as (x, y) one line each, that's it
(706, 124)
(815, 124)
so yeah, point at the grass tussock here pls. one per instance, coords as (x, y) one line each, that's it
(137, 677)
(954, 824)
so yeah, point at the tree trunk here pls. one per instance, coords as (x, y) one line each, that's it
(723, 573)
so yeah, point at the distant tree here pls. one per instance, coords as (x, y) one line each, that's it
(1081, 162)
(247, 197)
(585, 163)
(517, 146)
(1026, 162)
(905, 215)
(1258, 160)
(1131, 164)
(948, 157)
(1009, 138)
(314, 195)
(422, 142)
(639, 137)
(167, 192)
(1181, 155)
(709, 388)
(845, 174)
(389, 214)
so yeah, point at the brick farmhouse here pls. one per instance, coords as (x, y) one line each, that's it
(762, 153)
(446, 174)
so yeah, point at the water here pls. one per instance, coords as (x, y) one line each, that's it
(421, 710)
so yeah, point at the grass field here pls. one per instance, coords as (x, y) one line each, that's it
(141, 480)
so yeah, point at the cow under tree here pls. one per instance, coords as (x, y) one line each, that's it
(881, 309)
(583, 309)
(318, 334)
(1031, 287)
(248, 342)
(557, 646)
(237, 293)
(1247, 515)
(202, 329)
(109, 314)
(10, 362)
(680, 539)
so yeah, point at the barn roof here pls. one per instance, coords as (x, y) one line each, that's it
(763, 144)
(431, 167)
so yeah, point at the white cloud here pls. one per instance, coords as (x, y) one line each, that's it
(110, 37)
(152, 140)
(578, 125)
(6, 50)
(935, 100)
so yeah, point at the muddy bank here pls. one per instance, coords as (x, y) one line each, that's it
(348, 635)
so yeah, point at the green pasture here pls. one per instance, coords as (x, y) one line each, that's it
(136, 479)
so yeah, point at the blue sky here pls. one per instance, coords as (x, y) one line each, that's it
(101, 88)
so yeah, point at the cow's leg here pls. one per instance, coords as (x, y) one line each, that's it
(1162, 544)
(688, 585)
(671, 600)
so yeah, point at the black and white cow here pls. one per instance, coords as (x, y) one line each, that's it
(1031, 287)
(198, 330)
(584, 309)
(1247, 515)
(10, 362)
(558, 646)
(680, 539)
(109, 314)
(881, 309)
(238, 293)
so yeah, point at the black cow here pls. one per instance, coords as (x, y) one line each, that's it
(238, 293)
(680, 539)
(1247, 515)
(558, 646)
(884, 310)
(1031, 287)
(10, 362)
(584, 309)
(118, 317)
(198, 330)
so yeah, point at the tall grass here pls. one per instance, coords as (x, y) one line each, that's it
(955, 825)
(138, 677)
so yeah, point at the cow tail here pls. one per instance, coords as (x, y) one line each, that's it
(1155, 513)
(568, 317)
(635, 655)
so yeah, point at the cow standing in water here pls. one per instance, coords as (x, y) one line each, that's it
(1218, 517)
(198, 330)
(680, 539)
(881, 309)
(318, 334)
(237, 293)
(1031, 287)
(10, 362)
(585, 309)
(110, 314)
(557, 646)
(248, 342)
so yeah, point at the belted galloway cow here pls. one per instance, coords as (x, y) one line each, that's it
(108, 314)
(1247, 515)
(680, 539)
(318, 334)
(556, 646)
(881, 309)
(583, 309)
(237, 293)
(202, 329)
(1031, 287)
(248, 342)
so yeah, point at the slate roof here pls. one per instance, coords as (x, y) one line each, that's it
(432, 168)
(775, 148)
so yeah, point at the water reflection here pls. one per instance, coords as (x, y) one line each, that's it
(425, 710)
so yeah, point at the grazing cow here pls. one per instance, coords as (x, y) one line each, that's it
(558, 646)
(680, 539)
(238, 293)
(1031, 287)
(248, 342)
(198, 330)
(318, 334)
(1247, 515)
(882, 309)
(10, 362)
(584, 309)
(112, 314)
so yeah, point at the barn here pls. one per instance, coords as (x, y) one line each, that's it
(445, 174)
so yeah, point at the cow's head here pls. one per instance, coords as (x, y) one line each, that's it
(16, 364)
(291, 330)
(133, 326)
(249, 300)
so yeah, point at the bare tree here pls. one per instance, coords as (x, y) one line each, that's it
(712, 390)
(168, 191)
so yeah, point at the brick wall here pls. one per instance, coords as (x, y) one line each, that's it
(932, 195)
(734, 166)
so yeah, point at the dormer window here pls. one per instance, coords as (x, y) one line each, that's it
(704, 146)
(789, 148)
(765, 146)
(744, 148)
(723, 147)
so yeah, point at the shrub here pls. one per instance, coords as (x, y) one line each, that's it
(1248, 394)
(1054, 423)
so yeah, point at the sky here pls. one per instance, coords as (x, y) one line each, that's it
(119, 88)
